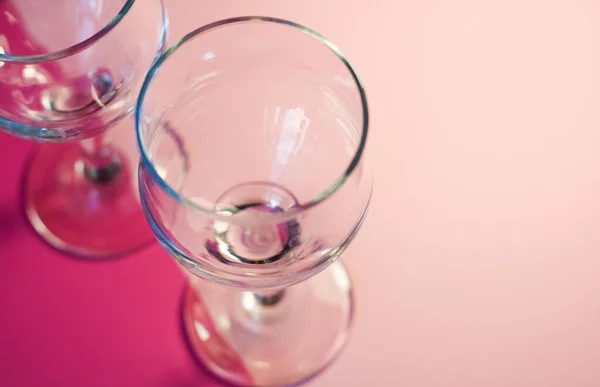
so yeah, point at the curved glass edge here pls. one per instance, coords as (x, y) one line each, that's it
(28, 131)
(240, 280)
(70, 51)
(222, 23)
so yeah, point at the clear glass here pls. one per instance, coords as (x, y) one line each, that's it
(252, 133)
(70, 70)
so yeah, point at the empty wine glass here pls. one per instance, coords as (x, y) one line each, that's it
(70, 70)
(252, 132)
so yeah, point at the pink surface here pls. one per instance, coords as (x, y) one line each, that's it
(479, 262)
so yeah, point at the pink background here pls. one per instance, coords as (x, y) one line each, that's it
(479, 265)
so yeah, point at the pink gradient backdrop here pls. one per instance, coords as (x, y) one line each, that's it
(479, 264)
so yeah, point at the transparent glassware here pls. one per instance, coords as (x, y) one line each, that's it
(252, 133)
(69, 71)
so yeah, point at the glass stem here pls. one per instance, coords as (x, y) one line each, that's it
(101, 162)
(269, 298)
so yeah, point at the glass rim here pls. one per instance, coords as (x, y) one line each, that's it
(147, 164)
(74, 49)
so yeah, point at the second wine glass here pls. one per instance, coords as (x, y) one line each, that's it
(69, 71)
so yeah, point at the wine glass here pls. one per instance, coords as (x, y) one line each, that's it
(252, 132)
(70, 70)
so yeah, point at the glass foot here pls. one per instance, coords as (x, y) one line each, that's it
(269, 340)
(77, 215)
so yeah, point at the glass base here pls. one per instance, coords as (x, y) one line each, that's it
(250, 340)
(77, 215)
